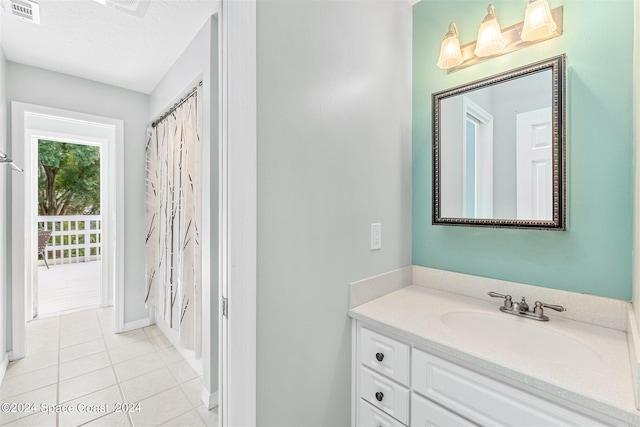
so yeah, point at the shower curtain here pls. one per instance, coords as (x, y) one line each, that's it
(173, 253)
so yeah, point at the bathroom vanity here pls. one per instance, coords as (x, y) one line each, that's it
(422, 356)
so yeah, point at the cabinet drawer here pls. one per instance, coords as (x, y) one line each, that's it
(385, 355)
(426, 413)
(370, 416)
(484, 400)
(385, 394)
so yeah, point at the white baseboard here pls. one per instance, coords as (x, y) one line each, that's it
(136, 324)
(210, 400)
(3, 366)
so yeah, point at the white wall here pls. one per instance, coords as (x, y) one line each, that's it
(41, 87)
(199, 61)
(451, 142)
(334, 155)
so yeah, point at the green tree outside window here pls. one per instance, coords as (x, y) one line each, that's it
(68, 179)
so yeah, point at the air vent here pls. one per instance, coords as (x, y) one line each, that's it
(137, 8)
(27, 10)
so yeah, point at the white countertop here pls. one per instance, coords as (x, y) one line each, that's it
(414, 312)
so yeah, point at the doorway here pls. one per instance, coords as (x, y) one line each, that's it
(69, 226)
(31, 123)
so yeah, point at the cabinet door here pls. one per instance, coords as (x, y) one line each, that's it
(370, 416)
(425, 413)
(385, 394)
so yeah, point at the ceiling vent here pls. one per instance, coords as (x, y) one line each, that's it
(27, 10)
(137, 8)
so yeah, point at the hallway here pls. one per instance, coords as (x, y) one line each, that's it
(74, 361)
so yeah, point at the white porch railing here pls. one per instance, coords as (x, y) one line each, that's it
(74, 238)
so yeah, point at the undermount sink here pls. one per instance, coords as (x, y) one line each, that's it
(521, 336)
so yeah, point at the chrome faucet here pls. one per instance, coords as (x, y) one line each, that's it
(522, 308)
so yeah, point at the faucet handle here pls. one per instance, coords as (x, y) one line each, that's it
(539, 305)
(507, 299)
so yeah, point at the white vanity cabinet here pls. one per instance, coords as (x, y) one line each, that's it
(397, 383)
(383, 377)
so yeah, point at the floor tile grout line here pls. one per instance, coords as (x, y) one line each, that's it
(78, 358)
(29, 391)
(13, 397)
(95, 419)
(91, 392)
(164, 391)
(160, 392)
(29, 373)
(167, 360)
(84, 373)
(144, 373)
(60, 363)
(80, 343)
(180, 384)
(179, 415)
(113, 369)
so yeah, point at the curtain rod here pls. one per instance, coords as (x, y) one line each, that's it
(176, 105)
(4, 160)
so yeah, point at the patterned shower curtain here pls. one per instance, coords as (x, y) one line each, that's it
(174, 206)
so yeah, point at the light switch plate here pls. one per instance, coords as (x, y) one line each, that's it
(376, 236)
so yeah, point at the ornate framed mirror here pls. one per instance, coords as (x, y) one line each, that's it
(499, 150)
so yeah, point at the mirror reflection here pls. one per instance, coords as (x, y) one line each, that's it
(498, 150)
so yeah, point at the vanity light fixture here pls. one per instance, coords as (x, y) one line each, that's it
(490, 40)
(538, 22)
(450, 54)
(541, 23)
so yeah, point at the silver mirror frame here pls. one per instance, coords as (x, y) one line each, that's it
(558, 222)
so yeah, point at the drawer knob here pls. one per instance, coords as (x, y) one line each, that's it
(379, 357)
(379, 396)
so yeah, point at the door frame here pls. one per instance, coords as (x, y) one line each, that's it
(237, 47)
(22, 230)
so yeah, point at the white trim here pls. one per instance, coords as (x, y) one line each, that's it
(23, 241)
(210, 400)
(3, 366)
(136, 324)
(355, 357)
(238, 211)
(483, 158)
(19, 272)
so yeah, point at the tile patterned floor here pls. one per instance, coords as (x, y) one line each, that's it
(75, 363)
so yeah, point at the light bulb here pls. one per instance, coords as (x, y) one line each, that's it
(490, 40)
(538, 22)
(450, 54)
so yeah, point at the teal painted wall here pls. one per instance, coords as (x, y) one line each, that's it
(594, 255)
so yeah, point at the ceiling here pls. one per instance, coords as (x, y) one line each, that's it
(87, 39)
